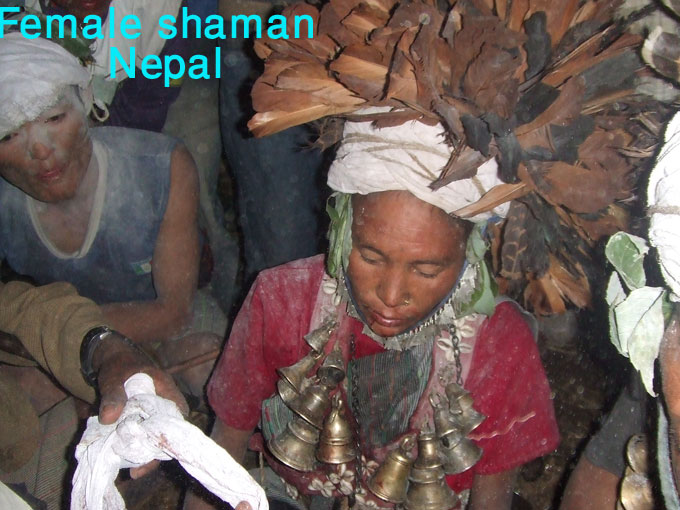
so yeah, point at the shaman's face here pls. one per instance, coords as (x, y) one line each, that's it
(406, 256)
(47, 158)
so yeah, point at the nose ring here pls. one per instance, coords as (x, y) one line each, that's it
(407, 301)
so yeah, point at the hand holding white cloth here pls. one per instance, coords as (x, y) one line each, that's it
(151, 427)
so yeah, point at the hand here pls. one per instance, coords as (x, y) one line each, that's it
(114, 361)
(243, 506)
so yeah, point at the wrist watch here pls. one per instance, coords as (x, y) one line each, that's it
(91, 341)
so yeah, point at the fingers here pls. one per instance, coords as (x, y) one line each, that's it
(113, 400)
(166, 388)
(243, 506)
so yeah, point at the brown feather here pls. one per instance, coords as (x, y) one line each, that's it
(362, 69)
(562, 111)
(559, 25)
(461, 165)
(587, 55)
(501, 8)
(541, 296)
(518, 12)
(579, 189)
(515, 242)
(270, 122)
(614, 220)
(489, 81)
(496, 196)
(572, 287)
(401, 82)
(601, 152)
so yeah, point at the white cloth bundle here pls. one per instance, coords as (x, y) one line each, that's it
(149, 428)
(33, 75)
(663, 198)
(408, 158)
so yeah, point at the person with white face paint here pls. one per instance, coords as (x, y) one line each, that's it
(111, 210)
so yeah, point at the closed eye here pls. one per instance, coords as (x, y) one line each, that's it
(7, 137)
(369, 259)
(370, 255)
(427, 270)
(55, 118)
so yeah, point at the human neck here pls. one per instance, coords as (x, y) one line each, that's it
(66, 223)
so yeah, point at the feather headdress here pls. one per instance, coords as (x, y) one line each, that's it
(551, 90)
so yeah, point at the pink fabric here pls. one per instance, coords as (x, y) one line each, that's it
(506, 377)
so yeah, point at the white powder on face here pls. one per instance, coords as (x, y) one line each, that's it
(34, 75)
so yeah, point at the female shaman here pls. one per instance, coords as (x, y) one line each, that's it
(423, 378)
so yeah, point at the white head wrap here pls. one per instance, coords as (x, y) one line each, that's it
(33, 75)
(407, 158)
(664, 207)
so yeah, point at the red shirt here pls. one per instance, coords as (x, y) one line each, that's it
(506, 378)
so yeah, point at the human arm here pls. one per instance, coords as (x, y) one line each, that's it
(50, 323)
(174, 265)
(590, 488)
(233, 440)
(509, 386)
(493, 492)
(669, 361)
(595, 480)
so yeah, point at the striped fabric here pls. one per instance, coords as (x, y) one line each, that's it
(45, 475)
(275, 416)
(389, 386)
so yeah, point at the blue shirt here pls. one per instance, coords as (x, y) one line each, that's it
(134, 181)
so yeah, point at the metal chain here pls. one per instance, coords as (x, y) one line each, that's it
(456, 355)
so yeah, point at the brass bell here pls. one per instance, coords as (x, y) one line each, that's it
(470, 420)
(428, 489)
(336, 445)
(295, 446)
(461, 406)
(286, 391)
(295, 374)
(434, 495)
(390, 480)
(637, 453)
(465, 401)
(446, 427)
(461, 457)
(318, 338)
(428, 456)
(636, 492)
(312, 404)
(332, 369)
(454, 391)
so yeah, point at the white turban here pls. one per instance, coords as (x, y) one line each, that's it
(664, 207)
(407, 158)
(33, 75)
